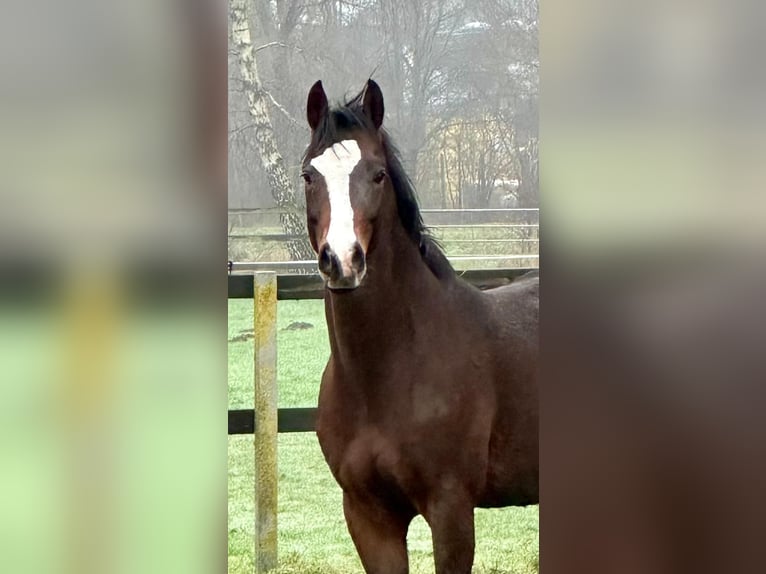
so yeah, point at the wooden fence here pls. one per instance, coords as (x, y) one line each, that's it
(265, 420)
(477, 234)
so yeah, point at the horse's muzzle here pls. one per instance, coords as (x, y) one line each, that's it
(344, 270)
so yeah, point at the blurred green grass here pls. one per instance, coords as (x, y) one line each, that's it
(312, 533)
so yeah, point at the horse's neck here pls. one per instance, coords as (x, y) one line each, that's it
(398, 296)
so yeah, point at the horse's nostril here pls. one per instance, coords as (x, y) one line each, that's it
(329, 264)
(357, 258)
(325, 260)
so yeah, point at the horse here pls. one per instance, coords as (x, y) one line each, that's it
(428, 404)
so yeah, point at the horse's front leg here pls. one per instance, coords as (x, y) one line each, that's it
(450, 516)
(379, 534)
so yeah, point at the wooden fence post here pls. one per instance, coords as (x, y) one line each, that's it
(265, 340)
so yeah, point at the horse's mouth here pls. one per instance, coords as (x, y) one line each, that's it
(343, 284)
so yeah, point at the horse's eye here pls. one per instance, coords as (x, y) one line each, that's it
(306, 177)
(380, 176)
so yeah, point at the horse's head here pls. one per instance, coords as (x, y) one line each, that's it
(348, 189)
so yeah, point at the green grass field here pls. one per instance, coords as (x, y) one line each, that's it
(312, 532)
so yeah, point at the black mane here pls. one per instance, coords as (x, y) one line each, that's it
(350, 116)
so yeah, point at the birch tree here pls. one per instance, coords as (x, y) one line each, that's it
(271, 160)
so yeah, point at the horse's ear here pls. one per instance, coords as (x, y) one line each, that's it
(316, 106)
(373, 103)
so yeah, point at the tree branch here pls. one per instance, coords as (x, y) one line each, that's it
(281, 108)
(277, 43)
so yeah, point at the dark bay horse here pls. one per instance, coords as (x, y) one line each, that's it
(428, 403)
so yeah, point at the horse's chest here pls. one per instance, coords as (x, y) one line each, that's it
(371, 462)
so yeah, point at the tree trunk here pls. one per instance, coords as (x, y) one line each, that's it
(528, 177)
(271, 160)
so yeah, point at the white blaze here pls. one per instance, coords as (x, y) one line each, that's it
(336, 164)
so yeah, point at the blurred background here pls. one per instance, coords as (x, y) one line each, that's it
(112, 287)
(652, 144)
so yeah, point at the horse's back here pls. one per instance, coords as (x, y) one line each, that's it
(513, 473)
(525, 288)
(514, 310)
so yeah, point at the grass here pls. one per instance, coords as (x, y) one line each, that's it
(312, 533)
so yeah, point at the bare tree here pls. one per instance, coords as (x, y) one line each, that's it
(512, 51)
(271, 160)
(416, 44)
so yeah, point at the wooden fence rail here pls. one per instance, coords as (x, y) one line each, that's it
(312, 287)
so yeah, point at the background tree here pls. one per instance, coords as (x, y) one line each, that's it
(263, 135)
